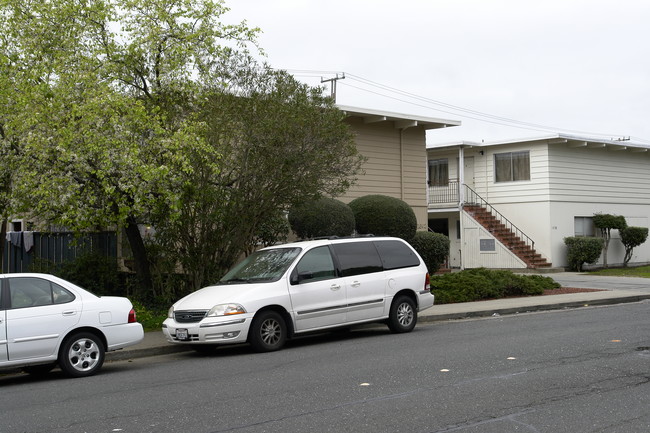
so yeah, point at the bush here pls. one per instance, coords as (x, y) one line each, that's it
(381, 215)
(476, 284)
(94, 272)
(632, 237)
(322, 217)
(432, 247)
(150, 318)
(582, 250)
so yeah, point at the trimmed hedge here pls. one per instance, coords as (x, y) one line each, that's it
(322, 217)
(476, 284)
(632, 237)
(432, 247)
(381, 215)
(582, 250)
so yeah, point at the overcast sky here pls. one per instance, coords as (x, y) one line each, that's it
(578, 67)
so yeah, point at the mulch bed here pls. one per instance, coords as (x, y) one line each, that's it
(566, 290)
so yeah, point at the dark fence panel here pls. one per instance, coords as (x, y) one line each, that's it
(22, 248)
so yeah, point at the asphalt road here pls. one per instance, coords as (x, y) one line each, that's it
(585, 370)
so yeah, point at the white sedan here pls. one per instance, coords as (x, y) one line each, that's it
(45, 321)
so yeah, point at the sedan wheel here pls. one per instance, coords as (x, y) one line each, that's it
(268, 332)
(81, 355)
(403, 315)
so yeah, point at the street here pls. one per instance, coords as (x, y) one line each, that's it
(584, 370)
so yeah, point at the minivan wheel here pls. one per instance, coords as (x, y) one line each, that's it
(268, 332)
(403, 315)
(81, 355)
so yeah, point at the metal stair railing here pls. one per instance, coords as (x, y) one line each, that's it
(472, 198)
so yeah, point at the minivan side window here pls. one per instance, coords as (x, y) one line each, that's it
(315, 265)
(356, 258)
(396, 255)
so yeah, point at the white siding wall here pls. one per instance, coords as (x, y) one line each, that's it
(587, 175)
(473, 257)
(565, 182)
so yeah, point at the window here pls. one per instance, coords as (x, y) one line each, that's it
(35, 292)
(512, 166)
(583, 226)
(358, 258)
(315, 265)
(262, 266)
(395, 255)
(438, 172)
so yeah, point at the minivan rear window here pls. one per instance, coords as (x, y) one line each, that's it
(396, 254)
(356, 258)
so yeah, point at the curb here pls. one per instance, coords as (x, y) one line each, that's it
(532, 308)
(168, 348)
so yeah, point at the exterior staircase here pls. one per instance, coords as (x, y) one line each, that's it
(508, 235)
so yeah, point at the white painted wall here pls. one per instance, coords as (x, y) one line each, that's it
(567, 180)
(473, 257)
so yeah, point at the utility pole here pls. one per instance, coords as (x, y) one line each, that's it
(333, 85)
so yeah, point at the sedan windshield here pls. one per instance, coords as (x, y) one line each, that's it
(264, 265)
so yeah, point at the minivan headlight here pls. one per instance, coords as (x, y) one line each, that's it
(226, 310)
(170, 313)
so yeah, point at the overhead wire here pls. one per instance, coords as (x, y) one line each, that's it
(443, 107)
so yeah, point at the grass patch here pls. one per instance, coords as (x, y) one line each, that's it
(640, 271)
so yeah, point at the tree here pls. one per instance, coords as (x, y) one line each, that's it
(322, 217)
(607, 222)
(632, 237)
(384, 216)
(100, 105)
(280, 143)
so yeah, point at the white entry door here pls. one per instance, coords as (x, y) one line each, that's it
(469, 171)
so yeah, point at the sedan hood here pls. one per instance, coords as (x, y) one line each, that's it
(208, 297)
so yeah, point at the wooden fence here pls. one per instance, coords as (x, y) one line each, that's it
(22, 248)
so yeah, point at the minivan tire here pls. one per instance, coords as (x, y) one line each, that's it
(403, 315)
(268, 332)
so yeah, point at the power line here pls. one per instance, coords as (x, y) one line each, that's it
(440, 106)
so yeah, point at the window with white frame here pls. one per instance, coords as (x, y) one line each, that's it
(512, 166)
(583, 226)
(438, 172)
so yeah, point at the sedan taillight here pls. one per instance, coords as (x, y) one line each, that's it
(132, 318)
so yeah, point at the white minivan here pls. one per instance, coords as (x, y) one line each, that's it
(290, 289)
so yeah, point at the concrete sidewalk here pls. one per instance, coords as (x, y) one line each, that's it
(615, 290)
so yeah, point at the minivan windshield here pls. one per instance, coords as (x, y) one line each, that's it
(261, 266)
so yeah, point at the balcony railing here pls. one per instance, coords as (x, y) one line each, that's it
(444, 194)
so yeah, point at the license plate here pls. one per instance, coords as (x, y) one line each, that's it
(181, 334)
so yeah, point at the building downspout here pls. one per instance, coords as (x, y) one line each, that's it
(461, 201)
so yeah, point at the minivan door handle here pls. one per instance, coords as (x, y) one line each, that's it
(355, 284)
(335, 287)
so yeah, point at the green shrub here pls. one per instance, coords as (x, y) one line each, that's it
(432, 247)
(381, 215)
(476, 284)
(632, 237)
(150, 318)
(322, 217)
(94, 272)
(581, 250)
